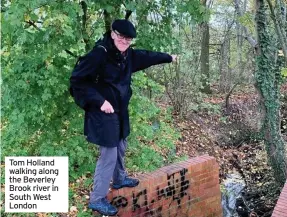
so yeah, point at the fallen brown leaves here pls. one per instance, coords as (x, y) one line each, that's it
(249, 159)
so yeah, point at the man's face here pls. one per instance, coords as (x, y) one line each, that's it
(121, 42)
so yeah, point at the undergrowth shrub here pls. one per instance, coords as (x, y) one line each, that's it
(151, 141)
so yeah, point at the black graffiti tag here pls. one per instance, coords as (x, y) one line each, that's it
(177, 186)
(154, 212)
(137, 197)
(119, 201)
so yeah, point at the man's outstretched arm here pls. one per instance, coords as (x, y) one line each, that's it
(142, 59)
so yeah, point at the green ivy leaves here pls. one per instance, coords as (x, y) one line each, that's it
(284, 72)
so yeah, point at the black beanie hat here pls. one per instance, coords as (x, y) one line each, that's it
(124, 27)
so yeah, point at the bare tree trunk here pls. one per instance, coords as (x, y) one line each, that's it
(282, 6)
(204, 58)
(108, 20)
(268, 85)
(115, 13)
(225, 76)
(248, 35)
(239, 30)
(84, 27)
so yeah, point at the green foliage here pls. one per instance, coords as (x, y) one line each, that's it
(159, 21)
(152, 135)
(247, 20)
(183, 81)
(209, 108)
(284, 72)
(39, 118)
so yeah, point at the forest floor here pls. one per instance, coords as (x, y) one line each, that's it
(206, 133)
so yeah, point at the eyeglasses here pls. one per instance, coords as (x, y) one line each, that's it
(120, 36)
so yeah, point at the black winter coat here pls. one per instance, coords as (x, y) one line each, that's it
(105, 74)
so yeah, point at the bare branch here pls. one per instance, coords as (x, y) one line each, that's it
(108, 21)
(31, 23)
(72, 54)
(247, 36)
(84, 21)
(84, 17)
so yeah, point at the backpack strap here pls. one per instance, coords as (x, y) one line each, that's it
(103, 47)
(80, 58)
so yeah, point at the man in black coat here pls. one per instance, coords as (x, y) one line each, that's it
(101, 85)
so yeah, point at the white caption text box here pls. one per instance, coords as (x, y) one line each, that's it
(36, 184)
